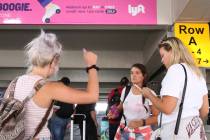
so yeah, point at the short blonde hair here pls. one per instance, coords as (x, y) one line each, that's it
(42, 50)
(180, 53)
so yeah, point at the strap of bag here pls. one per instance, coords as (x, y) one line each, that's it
(37, 87)
(11, 89)
(43, 121)
(127, 90)
(161, 114)
(181, 104)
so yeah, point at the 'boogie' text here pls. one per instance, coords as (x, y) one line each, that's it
(15, 7)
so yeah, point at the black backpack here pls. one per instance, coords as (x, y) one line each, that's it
(115, 99)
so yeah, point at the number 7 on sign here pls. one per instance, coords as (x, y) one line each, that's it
(199, 60)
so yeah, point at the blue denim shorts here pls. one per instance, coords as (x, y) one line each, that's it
(125, 136)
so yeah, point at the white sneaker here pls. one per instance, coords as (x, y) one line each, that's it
(50, 11)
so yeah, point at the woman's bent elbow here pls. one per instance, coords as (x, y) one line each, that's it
(167, 112)
(95, 97)
(205, 114)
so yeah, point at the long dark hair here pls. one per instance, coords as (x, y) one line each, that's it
(143, 70)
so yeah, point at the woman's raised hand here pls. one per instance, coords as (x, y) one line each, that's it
(90, 58)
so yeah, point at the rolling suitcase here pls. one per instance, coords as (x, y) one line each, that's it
(73, 118)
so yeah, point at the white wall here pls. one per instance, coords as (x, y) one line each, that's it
(164, 12)
(178, 7)
(74, 59)
(169, 10)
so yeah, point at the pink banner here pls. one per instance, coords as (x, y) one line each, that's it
(78, 12)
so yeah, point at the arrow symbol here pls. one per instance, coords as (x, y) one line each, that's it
(207, 61)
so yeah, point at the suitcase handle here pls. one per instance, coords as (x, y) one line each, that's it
(73, 116)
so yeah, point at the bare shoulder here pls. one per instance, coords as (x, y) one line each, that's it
(50, 87)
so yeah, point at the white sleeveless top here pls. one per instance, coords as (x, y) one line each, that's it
(34, 113)
(134, 108)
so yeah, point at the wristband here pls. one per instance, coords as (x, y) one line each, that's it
(92, 67)
(144, 122)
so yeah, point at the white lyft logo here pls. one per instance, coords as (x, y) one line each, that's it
(136, 10)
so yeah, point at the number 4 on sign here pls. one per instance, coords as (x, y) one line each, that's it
(199, 51)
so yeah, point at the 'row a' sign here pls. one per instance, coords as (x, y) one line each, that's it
(195, 37)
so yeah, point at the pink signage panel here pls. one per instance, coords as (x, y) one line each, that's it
(78, 12)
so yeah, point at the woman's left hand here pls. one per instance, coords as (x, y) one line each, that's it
(135, 124)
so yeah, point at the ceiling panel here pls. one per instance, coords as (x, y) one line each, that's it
(132, 40)
(196, 11)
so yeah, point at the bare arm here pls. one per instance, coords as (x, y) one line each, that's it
(60, 92)
(166, 105)
(153, 118)
(93, 116)
(204, 110)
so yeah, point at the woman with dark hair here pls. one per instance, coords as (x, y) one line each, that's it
(137, 119)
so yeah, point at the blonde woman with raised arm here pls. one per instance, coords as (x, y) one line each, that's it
(43, 56)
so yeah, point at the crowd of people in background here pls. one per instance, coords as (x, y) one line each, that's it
(133, 108)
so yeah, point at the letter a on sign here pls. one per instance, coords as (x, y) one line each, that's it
(196, 38)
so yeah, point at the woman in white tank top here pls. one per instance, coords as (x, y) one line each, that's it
(43, 54)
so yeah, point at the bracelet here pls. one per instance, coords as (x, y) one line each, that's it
(92, 67)
(144, 122)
